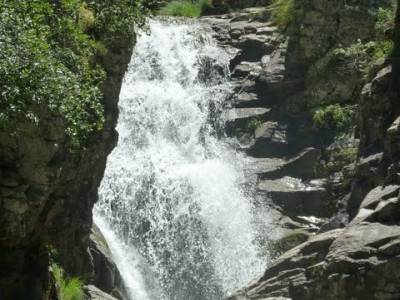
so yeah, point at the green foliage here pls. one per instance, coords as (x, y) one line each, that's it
(185, 8)
(333, 117)
(362, 54)
(86, 17)
(356, 50)
(47, 60)
(385, 18)
(383, 45)
(382, 49)
(253, 124)
(284, 12)
(68, 288)
(154, 5)
(116, 20)
(339, 158)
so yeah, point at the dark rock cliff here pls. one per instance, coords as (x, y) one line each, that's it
(48, 192)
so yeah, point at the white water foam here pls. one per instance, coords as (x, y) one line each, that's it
(170, 205)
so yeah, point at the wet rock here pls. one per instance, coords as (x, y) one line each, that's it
(106, 274)
(301, 166)
(93, 293)
(246, 86)
(254, 167)
(367, 176)
(267, 30)
(380, 205)
(246, 69)
(254, 46)
(246, 100)
(245, 113)
(270, 140)
(297, 198)
(289, 240)
(240, 117)
(328, 266)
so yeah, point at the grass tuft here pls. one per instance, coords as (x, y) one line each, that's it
(68, 289)
(185, 8)
(284, 12)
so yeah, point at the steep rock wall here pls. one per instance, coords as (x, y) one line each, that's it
(282, 76)
(48, 191)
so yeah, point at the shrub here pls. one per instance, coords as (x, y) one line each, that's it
(338, 158)
(333, 117)
(385, 18)
(68, 289)
(284, 12)
(47, 60)
(382, 49)
(185, 8)
(86, 16)
(253, 124)
(383, 45)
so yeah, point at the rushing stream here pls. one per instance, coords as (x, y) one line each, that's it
(171, 208)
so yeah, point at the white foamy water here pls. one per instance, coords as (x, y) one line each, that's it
(170, 205)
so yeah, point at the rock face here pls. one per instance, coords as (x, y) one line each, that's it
(358, 262)
(341, 232)
(106, 275)
(48, 192)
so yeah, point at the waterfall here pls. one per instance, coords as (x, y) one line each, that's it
(171, 208)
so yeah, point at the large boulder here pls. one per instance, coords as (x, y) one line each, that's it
(368, 174)
(380, 205)
(302, 166)
(358, 262)
(270, 139)
(106, 275)
(93, 293)
(297, 198)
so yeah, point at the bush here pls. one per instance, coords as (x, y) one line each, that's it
(68, 289)
(385, 18)
(383, 49)
(87, 19)
(338, 159)
(383, 45)
(47, 60)
(185, 8)
(334, 117)
(253, 124)
(284, 12)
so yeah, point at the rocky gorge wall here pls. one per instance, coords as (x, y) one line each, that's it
(334, 189)
(48, 192)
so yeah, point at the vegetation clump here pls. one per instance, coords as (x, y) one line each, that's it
(333, 117)
(253, 124)
(48, 53)
(381, 46)
(67, 288)
(337, 156)
(186, 8)
(384, 25)
(284, 12)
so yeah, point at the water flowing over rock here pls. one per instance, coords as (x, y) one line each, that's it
(170, 207)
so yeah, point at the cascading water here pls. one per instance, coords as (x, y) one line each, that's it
(170, 207)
